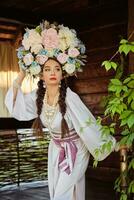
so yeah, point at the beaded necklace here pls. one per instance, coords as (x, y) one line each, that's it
(50, 111)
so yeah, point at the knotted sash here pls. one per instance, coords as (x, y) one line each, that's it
(68, 150)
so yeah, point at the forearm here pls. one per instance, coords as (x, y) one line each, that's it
(17, 84)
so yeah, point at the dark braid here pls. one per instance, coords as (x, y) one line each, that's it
(37, 124)
(62, 105)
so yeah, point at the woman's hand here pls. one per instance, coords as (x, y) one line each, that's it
(21, 74)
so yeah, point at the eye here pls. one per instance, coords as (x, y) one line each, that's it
(58, 69)
(46, 69)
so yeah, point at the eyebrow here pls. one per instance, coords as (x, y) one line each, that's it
(49, 66)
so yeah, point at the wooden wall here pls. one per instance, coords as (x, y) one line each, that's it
(103, 25)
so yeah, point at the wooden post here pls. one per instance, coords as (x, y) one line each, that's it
(123, 167)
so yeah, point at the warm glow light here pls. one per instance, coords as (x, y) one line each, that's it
(6, 80)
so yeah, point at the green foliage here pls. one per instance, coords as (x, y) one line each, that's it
(126, 47)
(109, 65)
(119, 107)
(38, 29)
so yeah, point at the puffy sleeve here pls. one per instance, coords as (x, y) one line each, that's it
(90, 134)
(24, 107)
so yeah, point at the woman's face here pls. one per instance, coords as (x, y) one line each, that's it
(52, 73)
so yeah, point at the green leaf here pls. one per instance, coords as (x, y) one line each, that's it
(127, 80)
(112, 130)
(132, 48)
(132, 105)
(131, 187)
(125, 114)
(116, 81)
(114, 65)
(125, 132)
(38, 29)
(125, 48)
(131, 96)
(131, 84)
(96, 152)
(123, 197)
(130, 139)
(107, 65)
(112, 88)
(130, 120)
(95, 163)
(123, 122)
(124, 88)
(131, 164)
(123, 140)
(123, 41)
(132, 76)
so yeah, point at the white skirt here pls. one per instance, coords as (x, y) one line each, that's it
(61, 185)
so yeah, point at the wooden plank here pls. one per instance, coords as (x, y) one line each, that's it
(100, 54)
(103, 173)
(94, 71)
(102, 37)
(92, 99)
(131, 32)
(89, 86)
(6, 36)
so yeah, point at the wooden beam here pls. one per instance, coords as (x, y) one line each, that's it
(6, 36)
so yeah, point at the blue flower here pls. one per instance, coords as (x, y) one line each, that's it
(34, 64)
(56, 52)
(43, 52)
(71, 60)
(20, 52)
(82, 48)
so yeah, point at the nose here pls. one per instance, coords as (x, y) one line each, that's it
(52, 72)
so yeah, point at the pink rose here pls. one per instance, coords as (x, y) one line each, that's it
(50, 38)
(62, 58)
(73, 52)
(41, 59)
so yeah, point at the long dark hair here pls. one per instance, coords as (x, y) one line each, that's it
(37, 124)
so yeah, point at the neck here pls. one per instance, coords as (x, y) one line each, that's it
(52, 91)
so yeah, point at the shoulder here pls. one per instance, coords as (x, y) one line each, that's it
(71, 92)
(72, 96)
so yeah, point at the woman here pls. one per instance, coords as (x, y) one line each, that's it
(58, 108)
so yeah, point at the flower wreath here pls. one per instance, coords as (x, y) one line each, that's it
(51, 41)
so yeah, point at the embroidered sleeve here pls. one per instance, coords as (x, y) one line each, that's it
(86, 127)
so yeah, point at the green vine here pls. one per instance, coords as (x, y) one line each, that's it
(119, 110)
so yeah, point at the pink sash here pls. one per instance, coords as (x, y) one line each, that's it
(68, 150)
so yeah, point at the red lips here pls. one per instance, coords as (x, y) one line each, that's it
(53, 78)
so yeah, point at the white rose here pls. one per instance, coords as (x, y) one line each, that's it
(31, 37)
(67, 38)
(34, 70)
(28, 59)
(69, 68)
(26, 43)
(36, 48)
(34, 37)
(62, 45)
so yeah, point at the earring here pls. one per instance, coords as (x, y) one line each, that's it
(60, 85)
(44, 85)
